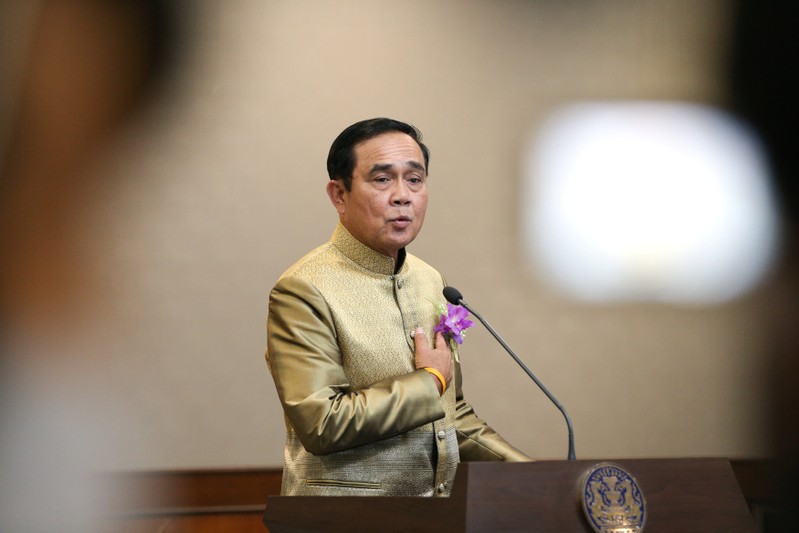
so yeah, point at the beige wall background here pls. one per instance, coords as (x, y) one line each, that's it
(220, 187)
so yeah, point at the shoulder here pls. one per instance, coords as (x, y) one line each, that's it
(311, 264)
(418, 266)
(320, 271)
(297, 288)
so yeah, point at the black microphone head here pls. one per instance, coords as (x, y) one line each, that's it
(453, 295)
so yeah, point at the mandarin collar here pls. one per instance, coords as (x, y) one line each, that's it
(365, 256)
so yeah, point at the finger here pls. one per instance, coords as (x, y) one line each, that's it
(420, 339)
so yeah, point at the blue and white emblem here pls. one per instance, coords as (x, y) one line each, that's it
(612, 500)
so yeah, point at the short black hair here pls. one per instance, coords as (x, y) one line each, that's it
(341, 158)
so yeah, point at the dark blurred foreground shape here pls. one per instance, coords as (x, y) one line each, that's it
(75, 73)
(79, 70)
(765, 87)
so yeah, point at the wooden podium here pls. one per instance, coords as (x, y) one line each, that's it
(682, 495)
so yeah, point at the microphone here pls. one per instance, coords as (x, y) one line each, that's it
(455, 297)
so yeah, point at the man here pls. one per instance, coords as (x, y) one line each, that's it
(372, 407)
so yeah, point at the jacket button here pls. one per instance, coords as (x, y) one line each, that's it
(399, 283)
(442, 435)
(441, 488)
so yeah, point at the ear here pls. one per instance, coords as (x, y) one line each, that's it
(337, 194)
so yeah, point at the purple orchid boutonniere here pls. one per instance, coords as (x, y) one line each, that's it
(453, 322)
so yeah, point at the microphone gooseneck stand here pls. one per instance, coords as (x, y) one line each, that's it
(454, 297)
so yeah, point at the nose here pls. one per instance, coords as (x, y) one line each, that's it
(400, 194)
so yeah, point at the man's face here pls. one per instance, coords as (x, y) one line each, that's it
(386, 205)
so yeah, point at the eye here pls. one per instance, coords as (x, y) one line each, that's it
(414, 181)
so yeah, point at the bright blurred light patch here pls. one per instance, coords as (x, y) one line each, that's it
(648, 201)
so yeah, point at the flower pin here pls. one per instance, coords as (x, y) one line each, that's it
(453, 322)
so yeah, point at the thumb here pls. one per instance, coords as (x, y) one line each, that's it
(440, 340)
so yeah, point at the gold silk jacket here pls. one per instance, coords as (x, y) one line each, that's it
(360, 420)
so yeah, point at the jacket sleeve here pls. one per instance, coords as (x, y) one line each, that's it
(305, 361)
(477, 441)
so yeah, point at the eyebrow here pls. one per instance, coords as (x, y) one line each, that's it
(380, 167)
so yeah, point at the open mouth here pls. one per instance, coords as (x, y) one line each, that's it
(401, 221)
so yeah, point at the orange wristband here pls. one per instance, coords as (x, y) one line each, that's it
(437, 374)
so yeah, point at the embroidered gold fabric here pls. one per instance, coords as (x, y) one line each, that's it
(360, 420)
